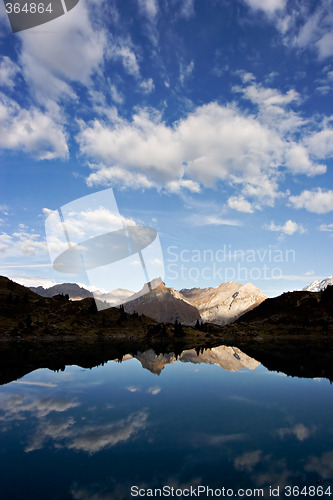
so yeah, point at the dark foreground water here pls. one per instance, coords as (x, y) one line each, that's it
(186, 424)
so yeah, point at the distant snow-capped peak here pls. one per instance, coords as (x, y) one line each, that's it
(319, 285)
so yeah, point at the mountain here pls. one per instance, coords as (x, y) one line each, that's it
(225, 303)
(73, 290)
(319, 285)
(76, 292)
(293, 312)
(220, 305)
(163, 305)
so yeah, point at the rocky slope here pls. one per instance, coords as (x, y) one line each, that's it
(293, 312)
(225, 303)
(163, 305)
(24, 313)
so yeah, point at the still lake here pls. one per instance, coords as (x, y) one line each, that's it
(217, 419)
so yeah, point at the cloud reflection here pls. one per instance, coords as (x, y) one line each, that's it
(90, 438)
(50, 431)
(247, 461)
(323, 465)
(39, 384)
(300, 431)
(15, 406)
(111, 489)
(154, 390)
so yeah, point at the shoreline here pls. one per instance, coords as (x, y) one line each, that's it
(305, 356)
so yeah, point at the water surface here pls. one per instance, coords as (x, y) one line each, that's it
(150, 421)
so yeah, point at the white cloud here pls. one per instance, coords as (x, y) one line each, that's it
(186, 8)
(274, 107)
(247, 77)
(318, 201)
(300, 25)
(320, 144)
(211, 220)
(87, 223)
(147, 86)
(266, 96)
(185, 72)
(326, 228)
(29, 281)
(275, 113)
(325, 45)
(213, 143)
(116, 175)
(149, 8)
(80, 225)
(308, 29)
(22, 243)
(31, 131)
(117, 97)
(180, 184)
(5, 241)
(290, 227)
(122, 50)
(268, 6)
(28, 243)
(240, 203)
(8, 72)
(299, 162)
(69, 52)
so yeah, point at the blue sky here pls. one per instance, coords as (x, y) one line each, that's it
(211, 120)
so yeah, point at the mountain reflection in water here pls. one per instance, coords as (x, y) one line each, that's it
(227, 357)
(300, 357)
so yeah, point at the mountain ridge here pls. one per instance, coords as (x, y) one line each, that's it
(76, 292)
(24, 314)
(219, 305)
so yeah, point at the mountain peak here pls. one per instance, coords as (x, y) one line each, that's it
(319, 285)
